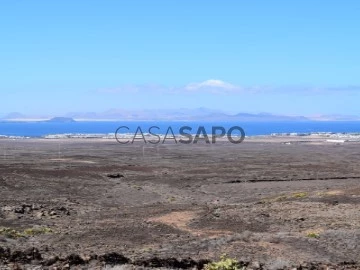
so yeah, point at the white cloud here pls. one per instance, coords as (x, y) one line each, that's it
(212, 85)
(209, 86)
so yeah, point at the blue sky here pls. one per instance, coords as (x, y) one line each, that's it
(284, 57)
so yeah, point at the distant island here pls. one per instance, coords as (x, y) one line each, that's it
(61, 120)
(182, 114)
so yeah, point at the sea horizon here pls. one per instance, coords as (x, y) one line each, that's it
(41, 129)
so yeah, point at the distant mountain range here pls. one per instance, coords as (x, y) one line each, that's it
(199, 114)
(61, 120)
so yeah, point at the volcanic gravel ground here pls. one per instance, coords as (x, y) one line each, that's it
(90, 204)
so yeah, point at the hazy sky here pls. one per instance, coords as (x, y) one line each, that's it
(288, 57)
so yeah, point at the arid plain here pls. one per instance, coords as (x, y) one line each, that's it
(271, 203)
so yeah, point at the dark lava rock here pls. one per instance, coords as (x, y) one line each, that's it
(19, 210)
(113, 258)
(50, 261)
(4, 253)
(74, 259)
(26, 256)
(335, 202)
(172, 263)
(115, 175)
(62, 208)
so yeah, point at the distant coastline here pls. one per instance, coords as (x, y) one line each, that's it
(173, 120)
(198, 114)
(102, 129)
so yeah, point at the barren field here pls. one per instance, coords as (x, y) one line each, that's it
(94, 204)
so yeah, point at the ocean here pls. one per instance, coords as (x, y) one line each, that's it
(41, 129)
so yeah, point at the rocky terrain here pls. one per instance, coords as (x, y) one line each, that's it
(96, 204)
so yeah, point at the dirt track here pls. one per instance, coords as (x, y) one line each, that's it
(268, 204)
